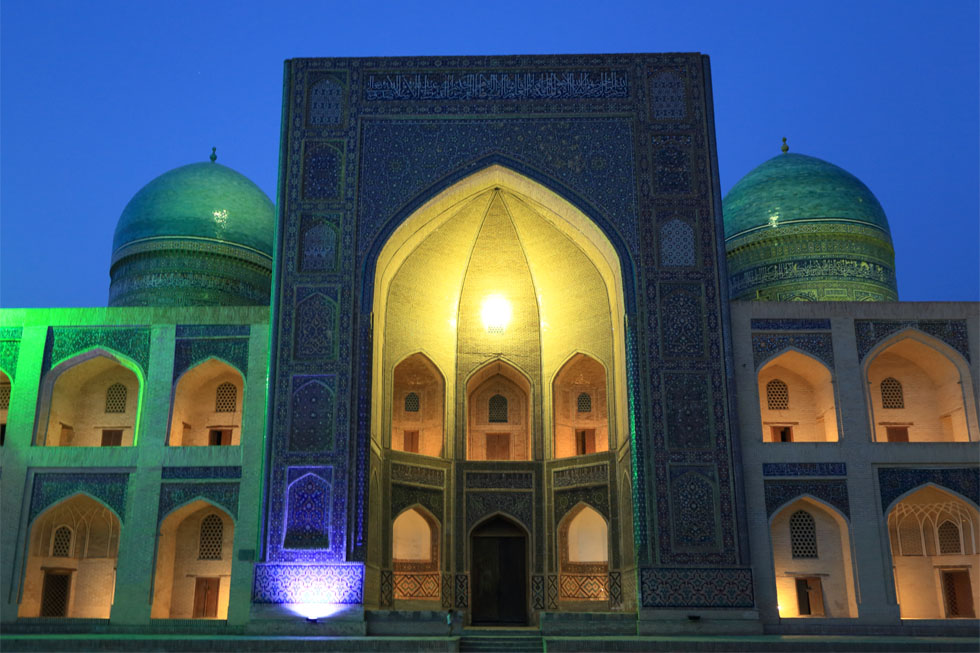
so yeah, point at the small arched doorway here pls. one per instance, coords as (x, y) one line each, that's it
(498, 568)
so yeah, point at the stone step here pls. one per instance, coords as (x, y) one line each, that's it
(505, 644)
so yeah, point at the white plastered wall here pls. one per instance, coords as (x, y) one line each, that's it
(812, 411)
(78, 400)
(932, 389)
(194, 405)
(832, 565)
(179, 564)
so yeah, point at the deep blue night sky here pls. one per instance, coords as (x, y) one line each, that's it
(99, 98)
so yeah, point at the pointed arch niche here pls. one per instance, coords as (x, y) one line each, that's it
(497, 266)
(811, 553)
(498, 416)
(71, 561)
(581, 417)
(193, 568)
(796, 400)
(583, 553)
(90, 400)
(415, 557)
(917, 390)
(207, 406)
(418, 410)
(935, 548)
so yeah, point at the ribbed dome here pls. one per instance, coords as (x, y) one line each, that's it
(200, 200)
(796, 187)
(799, 228)
(198, 235)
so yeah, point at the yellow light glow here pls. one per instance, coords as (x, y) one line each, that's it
(496, 313)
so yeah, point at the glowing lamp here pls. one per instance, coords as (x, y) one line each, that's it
(495, 313)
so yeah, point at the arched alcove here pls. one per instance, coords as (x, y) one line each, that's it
(583, 554)
(417, 407)
(497, 240)
(193, 567)
(918, 392)
(811, 552)
(581, 418)
(71, 561)
(415, 556)
(497, 406)
(91, 400)
(796, 400)
(207, 406)
(935, 550)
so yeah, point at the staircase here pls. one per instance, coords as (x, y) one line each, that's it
(498, 640)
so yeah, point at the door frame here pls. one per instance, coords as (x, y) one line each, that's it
(526, 535)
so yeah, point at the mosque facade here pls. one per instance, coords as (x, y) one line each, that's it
(499, 353)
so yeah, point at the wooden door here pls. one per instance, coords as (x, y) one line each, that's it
(206, 598)
(957, 594)
(54, 593)
(498, 568)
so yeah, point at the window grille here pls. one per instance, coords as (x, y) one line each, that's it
(803, 535)
(498, 409)
(226, 398)
(584, 402)
(61, 542)
(777, 395)
(4, 396)
(949, 539)
(412, 402)
(891, 394)
(212, 532)
(115, 398)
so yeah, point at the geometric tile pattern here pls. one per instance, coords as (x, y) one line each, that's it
(63, 342)
(188, 353)
(952, 332)
(308, 583)
(584, 587)
(174, 495)
(49, 488)
(896, 481)
(834, 492)
(788, 324)
(766, 345)
(804, 469)
(696, 588)
(417, 586)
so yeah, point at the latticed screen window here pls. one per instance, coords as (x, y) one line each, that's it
(115, 398)
(498, 409)
(777, 395)
(584, 403)
(61, 542)
(803, 535)
(891, 394)
(949, 539)
(412, 402)
(212, 532)
(226, 398)
(4, 396)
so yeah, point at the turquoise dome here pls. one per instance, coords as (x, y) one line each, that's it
(800, 229)
(799, 188)
(201, 200)
(199, 235)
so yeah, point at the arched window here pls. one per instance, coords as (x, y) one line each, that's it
(115, 398)
(584, 403)
(777, 395)
(803, 535)
(226, 398)
(4, 396)
(212, 533)
(891, 394)
(412, 402)
(949, 539)
(61, 542)
(497, 412)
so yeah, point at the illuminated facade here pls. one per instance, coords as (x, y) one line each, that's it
(496, 378)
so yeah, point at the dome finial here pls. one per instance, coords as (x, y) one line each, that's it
(214, 157)
(785, 147)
